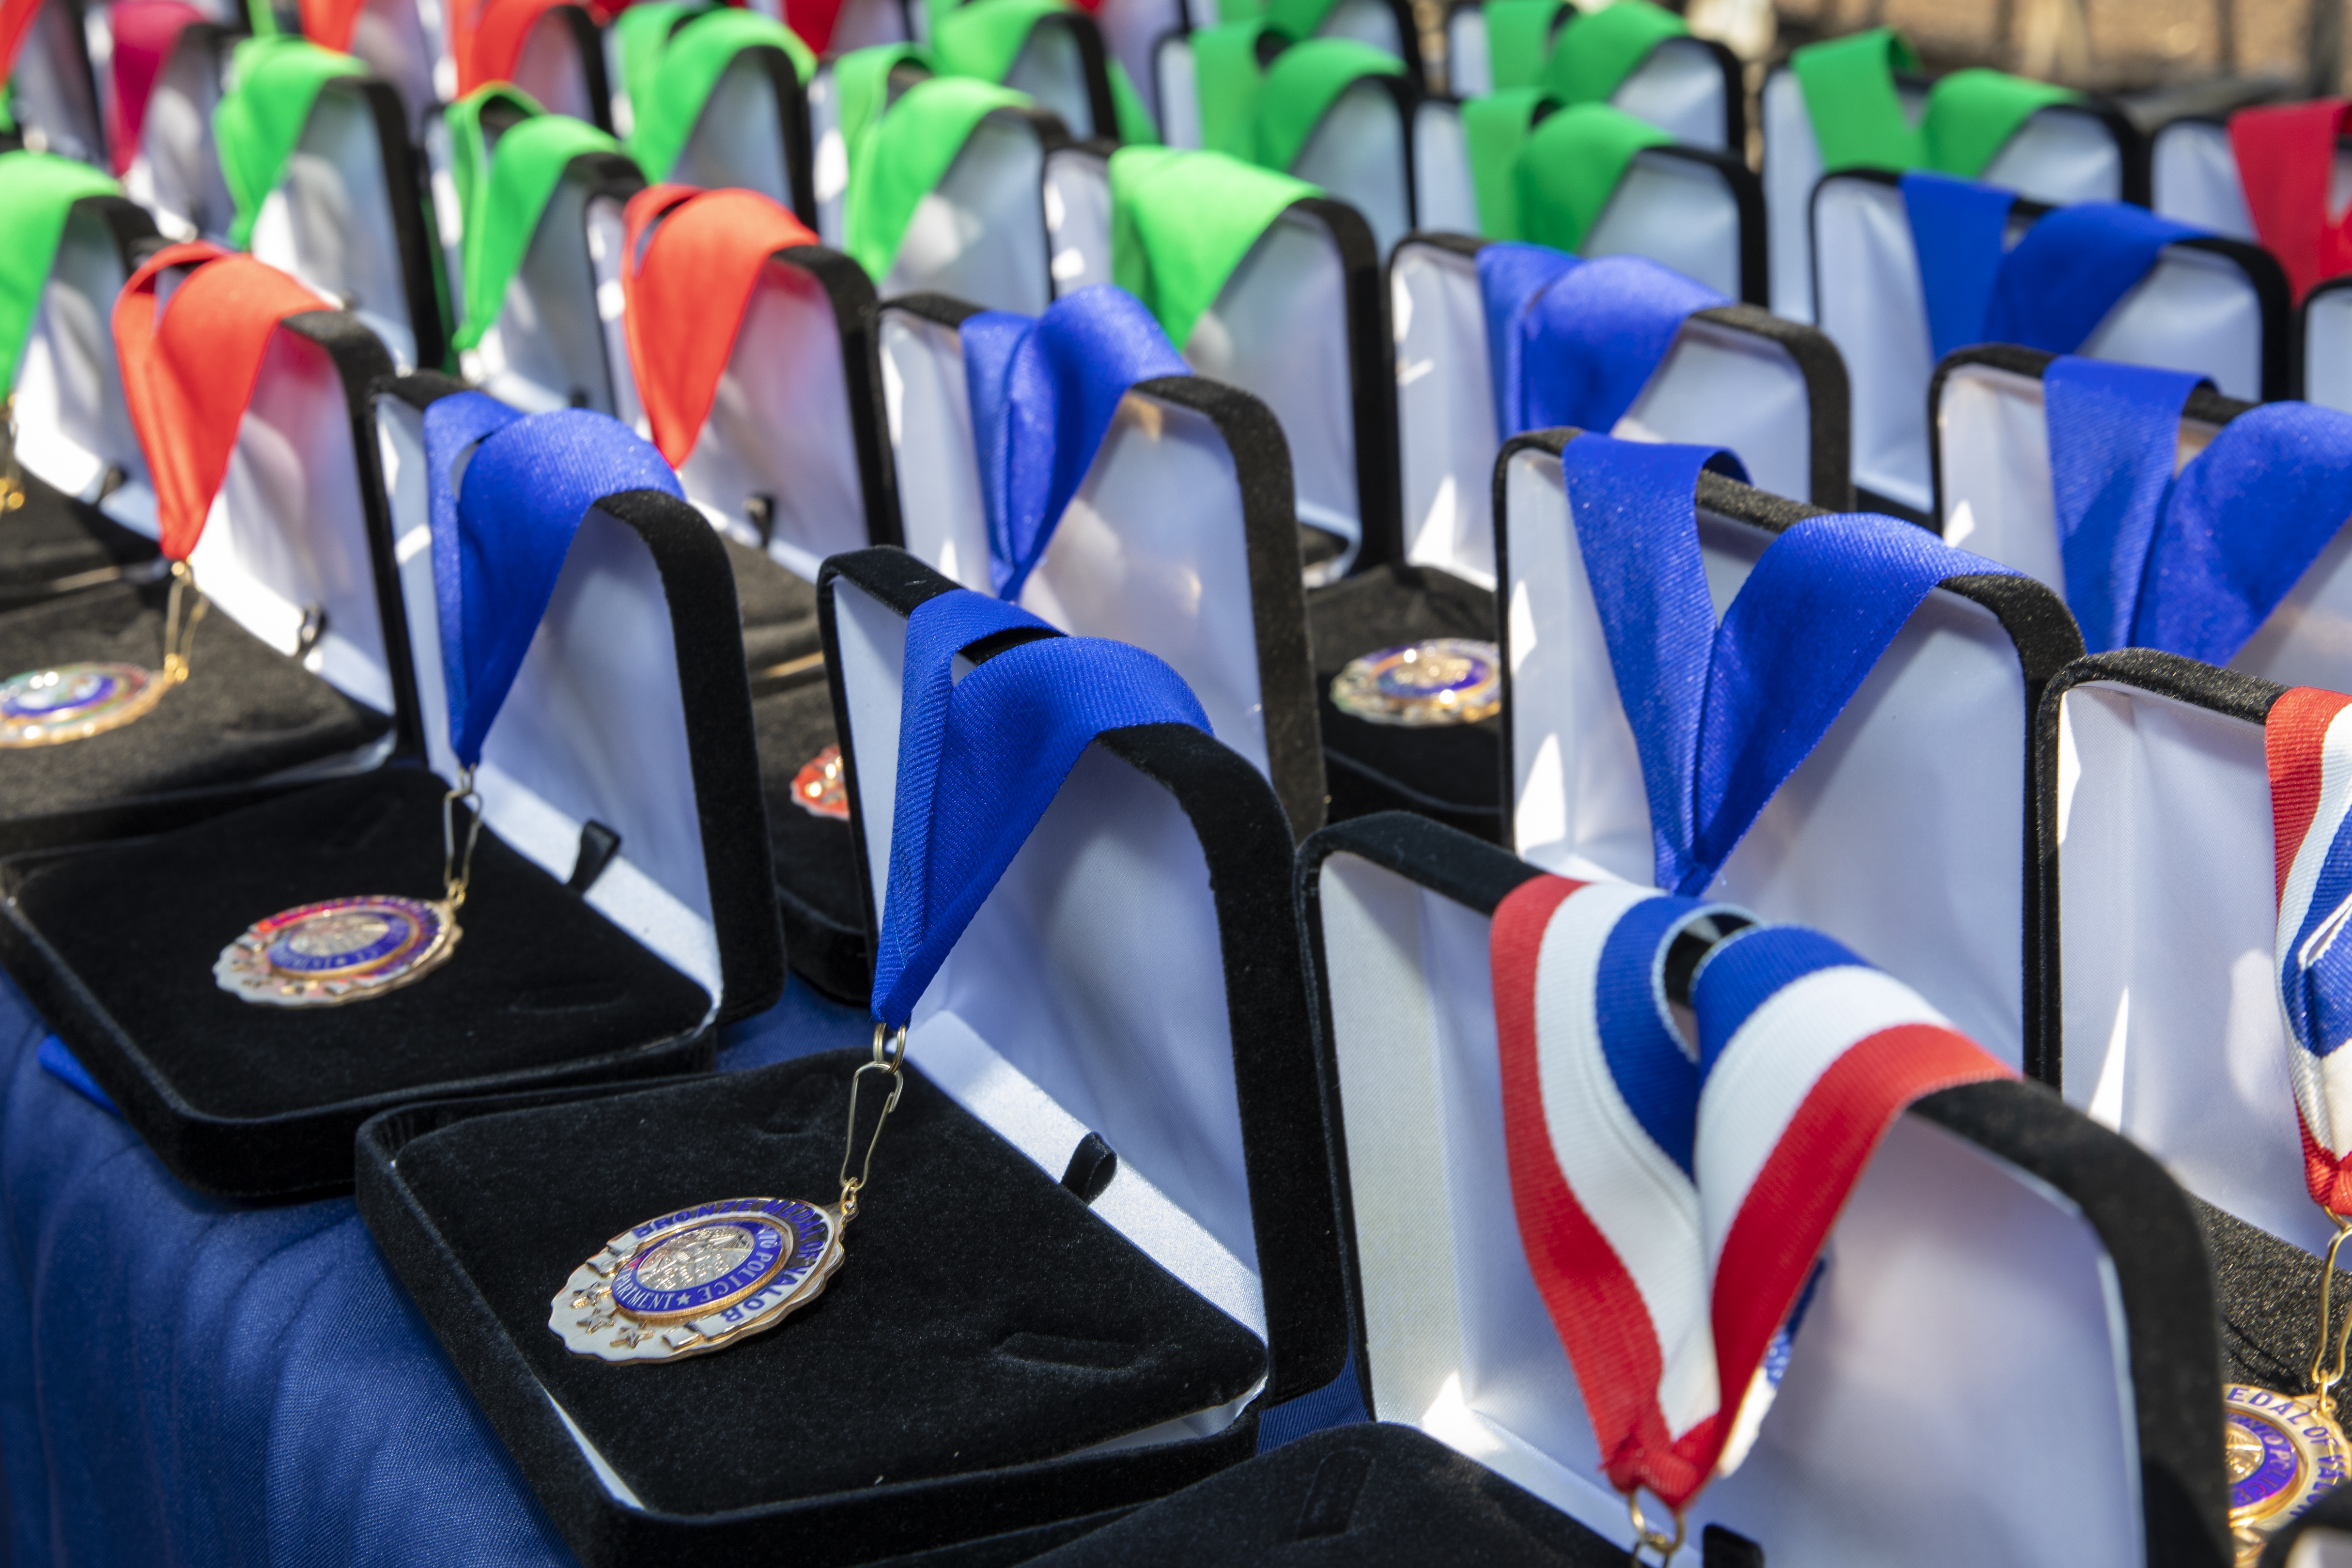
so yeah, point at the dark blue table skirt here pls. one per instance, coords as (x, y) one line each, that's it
(190, 1381)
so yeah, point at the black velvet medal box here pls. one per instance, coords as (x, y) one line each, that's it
(618, 906)
(293, 676)
(1098, 1241)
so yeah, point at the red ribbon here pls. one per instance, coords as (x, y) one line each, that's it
(686, 290)
(813, 21)
(2293, 736)
(330, 22)
(188, 381)
(491, 36)
(15, 21)
(2286, 156)
(145, 34)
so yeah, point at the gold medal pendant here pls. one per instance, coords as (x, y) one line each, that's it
(1449, 681)
(2284, 1451)
(700, 1280)
(75, 701)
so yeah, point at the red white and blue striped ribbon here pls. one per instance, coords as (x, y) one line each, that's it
(2308, 739)
(1673, 1202)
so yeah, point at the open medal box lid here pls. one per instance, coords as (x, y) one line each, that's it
(1130, 989)
(406, 42)
(618, 905)
(2039, 1282)
(1771, 391)
(984, 233)
(2217, 307)
(561, 66)
(2323, 340)
(176, 171)
(753, 133)
(2065, 153)
(53, 94)
(1691, 86)
(297, 672)
(1901, 835)
(74, 438)
(1180, 540)
(558, 340)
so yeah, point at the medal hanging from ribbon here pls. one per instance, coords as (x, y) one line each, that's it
(1674, 1195)
(189, 366)
(498, 550)
(980, 760)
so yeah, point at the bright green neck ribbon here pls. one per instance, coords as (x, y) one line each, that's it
(983, 37)
(258, 122)
(899, 157)
(1227, 81)
(1518, 37)
(1596, 53)
(1972, 115)
(1858, 119)
(687, 73)
(37, 191)
(1241, 10)
(1301, 86)
(1181, 223)
(1571, 165)
(503, 194)
(861, 83)
(1298, 18)
(1134, 121)
(1494, 127)
(644, 31)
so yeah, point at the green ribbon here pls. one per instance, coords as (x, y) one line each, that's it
(644, 31)
(258, 122)
(900, 156)
(1133, 118)
(1596, 53)
(1302, 84)
(37, 191)
(1571, 165)
(983, 37)
(861, 83)
(1493, 128)
(1227, 81)
(1972, 115)
(685, 72)
(503, 194)
(1181, 223)
(1858, 119)
(1299, 19)
(1518, 39)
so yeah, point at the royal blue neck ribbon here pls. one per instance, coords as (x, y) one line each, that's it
(980, 760)
(2113, 430)
(2051, 291)
(1572, 343)
(500, 544)
(1044, 393)
(1722, 714)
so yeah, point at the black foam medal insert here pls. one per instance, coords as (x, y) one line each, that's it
(55, 538)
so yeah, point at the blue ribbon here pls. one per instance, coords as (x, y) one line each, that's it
(980, 760)
(1722, 714)
(499, 541)
(1572, 343)
(2113, 432)
(1959, 229)
(1043, 393)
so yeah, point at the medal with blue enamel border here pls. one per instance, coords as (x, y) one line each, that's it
(698, 1280)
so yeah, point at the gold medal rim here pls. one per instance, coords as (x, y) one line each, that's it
(827, 1265)
(1354, 693)
(292, 991)
(745, 1293)
(13, 737)
(2281, 1506)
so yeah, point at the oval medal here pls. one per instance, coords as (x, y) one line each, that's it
(819, 789)
(698, 1279)
(2282, 1453)
(75, 701)
(344, 950)
(1449, 681)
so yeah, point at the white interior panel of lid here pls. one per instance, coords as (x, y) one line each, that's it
(1469, 69)
(926, 402)
(329, 221)
(1360, 152)
(2062, 154)
(592, 730)
(781, 428)
(1087, 994)
(176, 174)
(548, 68)
(1077, 217)
(1874, 307)
(1051, 69)
(1179, 95)
(1717, 386)
(2166, 916)
(72, 424)
(740, 140)
(861, 24)
(1679, 90)
(1372, 22)
(1678, 211)
(2193, 176)
(2327, 349)
(1901, 834)
(1792, 164)
(1985, 1286)
(560, 333)
(50, 86)
(1444, 200)
(1154, 551)
(1129, 30)
(288, 535)
(2194, 311)
(399, 40)
(829, 160)
(980, 234)
(1279, 331)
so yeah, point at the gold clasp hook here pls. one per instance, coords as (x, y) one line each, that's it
(1648, 1536)
(2323, 1377)
(457, 873)
(179, 637)
(12, 478)
(890, 1056)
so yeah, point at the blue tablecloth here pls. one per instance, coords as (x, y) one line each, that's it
(195, 1381)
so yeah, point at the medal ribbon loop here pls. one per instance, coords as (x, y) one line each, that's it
(1043, 393)
(2308, 744)
(1673, 1197)
(1572, 343)
(2286, 156)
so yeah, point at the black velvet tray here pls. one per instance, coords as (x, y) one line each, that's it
(245, 712)
(983, 1324)
(1452, 773)
(818, 892)
(56, 542)
(115, 946)
(779, 609)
